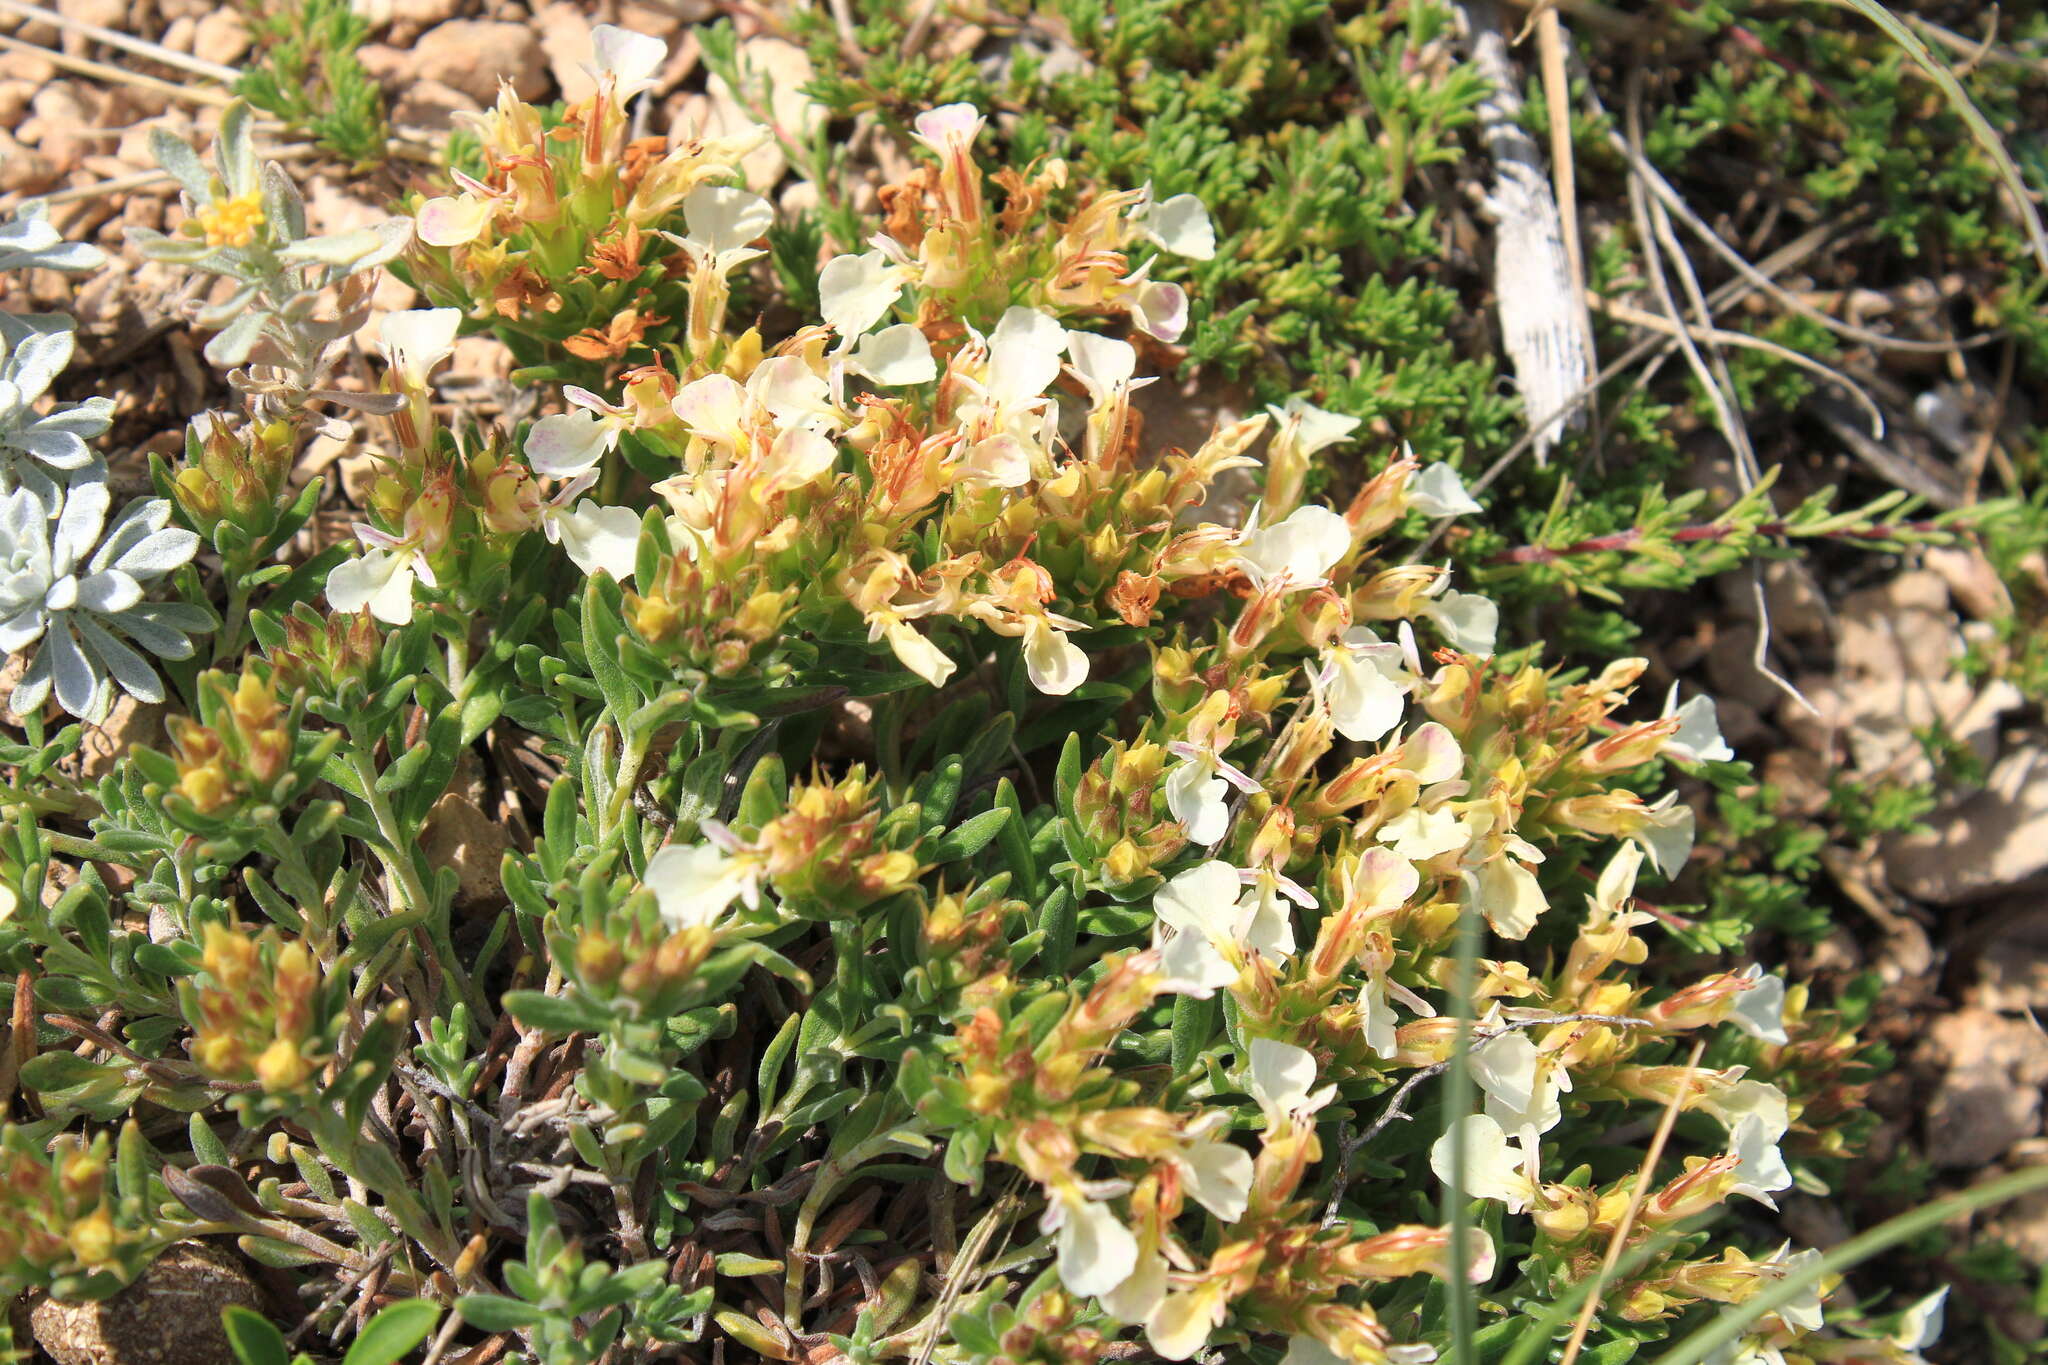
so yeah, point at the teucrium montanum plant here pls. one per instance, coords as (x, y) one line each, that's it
(964, 897)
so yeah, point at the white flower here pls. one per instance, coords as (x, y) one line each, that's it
(1023, 355)
(1279, 1077)
(1141, 1292)
(1507, 891)
(1196, 911)
(1096, 1252)
(1196, 791)
(1762, 1169)
(1298, 552)
(1521, 1084)
(453, 220)
(949, 129)
(1265, 924)
(1731, 1102)
(596, 537)
(1698, 737)
(1160, 310)
(1000, 461)
(856, 292)
(722, 222)
(896, 355)
(1760, 1010)
(1380, 881)
(1667, 834)
(911, 649)
(381, 578)
(1438, 492)
(1367, 681)
(694, 883)
(1055, 664)
(1494, 1168)
(415, 341)
(568, 444)
(1920, 1324)
(1303, 428)
(1215, 1173)
(630, 60)
(1179, 224)
(1424, 832)
(715, 408)
(1182, 1323)
(1104, 365)
(1469, 622)
(1804, 1312)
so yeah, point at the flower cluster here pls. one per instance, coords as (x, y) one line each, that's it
(953, 879)
(261, 1011)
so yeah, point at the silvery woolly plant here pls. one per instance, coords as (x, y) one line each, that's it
(71, 600)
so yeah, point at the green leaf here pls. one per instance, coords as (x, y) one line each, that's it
(254, 1339)
(554, 1013)
(970, 836)
(394, 1331)
(496, 1313)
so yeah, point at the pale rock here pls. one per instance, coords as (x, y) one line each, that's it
(459, 835)
(775, 72)
(1895, 676)
(565, 37)
(58, 125)
(410, 18)
(221, 36)
(333, 208)
(1971, 580)
(1991, 841)
(478, 359)
(128, 724)
(15, 97)
(18, 65)
(169, 1316)
(23, 171)
(471, 55)
(386, 63)
(104, 13)
(664, 18)
(180, 34)
(1989, 1097)
(2012, 956)
(430, 105)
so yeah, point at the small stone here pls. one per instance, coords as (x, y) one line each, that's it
(565, 37)
(1989, 1099)
(472, 54)
(777, 73)
(128, 724)
(1971, 580)
(664, 18)
(180, 34)
(23, 171)
(430, 105)
(1992, 841)
(222, 37)
(461, 836)
(2012, 960)
(169, 1316)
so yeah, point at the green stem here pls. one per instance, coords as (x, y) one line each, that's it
(1457, 1104)
(396, 856)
